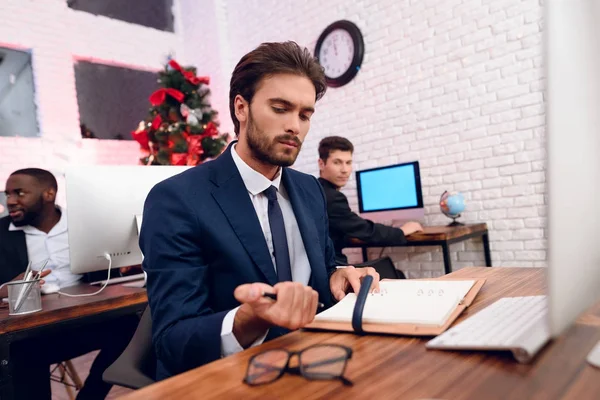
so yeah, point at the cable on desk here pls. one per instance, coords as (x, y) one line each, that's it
(109, 258)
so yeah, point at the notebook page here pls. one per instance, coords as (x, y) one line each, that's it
(405, 308)
(390, 309)
(340, 312)
(427, 287)
(404, 301)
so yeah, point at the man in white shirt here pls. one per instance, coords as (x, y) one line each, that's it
(34, 216)
(52, 245)
(217, 237)
(35, 231)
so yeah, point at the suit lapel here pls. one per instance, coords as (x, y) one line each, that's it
(309, 234)
(13, 252)
(15, 244)
(233, 198)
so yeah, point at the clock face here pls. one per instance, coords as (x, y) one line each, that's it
(340, 49)
(336, 53)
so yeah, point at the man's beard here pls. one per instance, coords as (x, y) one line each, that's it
(30, 216)
(263, 148)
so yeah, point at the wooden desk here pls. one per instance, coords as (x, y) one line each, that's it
(387, 367)
(61, 313)
(442, 236)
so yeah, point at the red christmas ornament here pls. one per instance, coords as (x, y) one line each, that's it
(158, 97)
(195, 144)
(179, 158)
(210, 130)
(189, 75)
(141, 136)
(156, 122)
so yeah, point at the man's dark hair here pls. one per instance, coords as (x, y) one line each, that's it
(331, 143)
(267, 60)
(45, 178)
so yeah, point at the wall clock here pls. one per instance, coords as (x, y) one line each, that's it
(340, 49)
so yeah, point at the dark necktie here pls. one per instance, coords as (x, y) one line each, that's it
(280, 245)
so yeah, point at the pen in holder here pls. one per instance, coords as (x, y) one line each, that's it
(24, 297)
(359, 306)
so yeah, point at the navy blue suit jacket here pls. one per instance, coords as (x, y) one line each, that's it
(201, 238)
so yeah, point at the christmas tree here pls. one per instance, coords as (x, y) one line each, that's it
(181, 128)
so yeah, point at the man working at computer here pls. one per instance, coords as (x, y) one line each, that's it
(218, 236)
(35, 231)
(335, 167)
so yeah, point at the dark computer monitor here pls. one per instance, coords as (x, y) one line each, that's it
(390, 193)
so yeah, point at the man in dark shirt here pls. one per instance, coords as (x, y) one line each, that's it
(335, 166)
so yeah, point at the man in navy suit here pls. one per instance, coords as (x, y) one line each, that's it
(218, 236)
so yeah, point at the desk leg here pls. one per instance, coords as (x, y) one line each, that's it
(486, 250)
(6, 373)
(447, 261)
(364, 254)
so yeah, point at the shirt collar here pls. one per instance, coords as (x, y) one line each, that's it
(328, 183)
(254, 181)
(60, 227)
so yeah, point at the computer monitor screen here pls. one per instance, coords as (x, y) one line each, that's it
(572, 38)
(102, 205)
(390, 192)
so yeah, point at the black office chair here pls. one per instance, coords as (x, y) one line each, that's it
(384, 267)
(136, 366)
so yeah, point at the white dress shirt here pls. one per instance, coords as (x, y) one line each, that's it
(52, 246)
(256, 183)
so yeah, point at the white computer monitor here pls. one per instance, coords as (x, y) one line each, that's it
(3, 206)
(390, 193)
(102, 205)
(572, 40)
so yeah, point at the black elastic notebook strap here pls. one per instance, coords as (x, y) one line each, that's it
(359, 306)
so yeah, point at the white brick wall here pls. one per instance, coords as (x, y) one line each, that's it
(203, 30)
(56, 37)
(456, 84)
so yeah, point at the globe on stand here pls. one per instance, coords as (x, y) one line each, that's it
(452, 204)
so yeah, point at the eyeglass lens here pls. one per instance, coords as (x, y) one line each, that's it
(267, 366)
(318, 362)
(323, 362)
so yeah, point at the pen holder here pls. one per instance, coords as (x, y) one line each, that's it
(24, 297)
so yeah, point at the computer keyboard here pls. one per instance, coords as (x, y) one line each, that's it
(121, 279)
(516, 324)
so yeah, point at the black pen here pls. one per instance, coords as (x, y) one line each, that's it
(273, 296)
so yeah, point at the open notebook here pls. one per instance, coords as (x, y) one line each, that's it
(421, 307)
